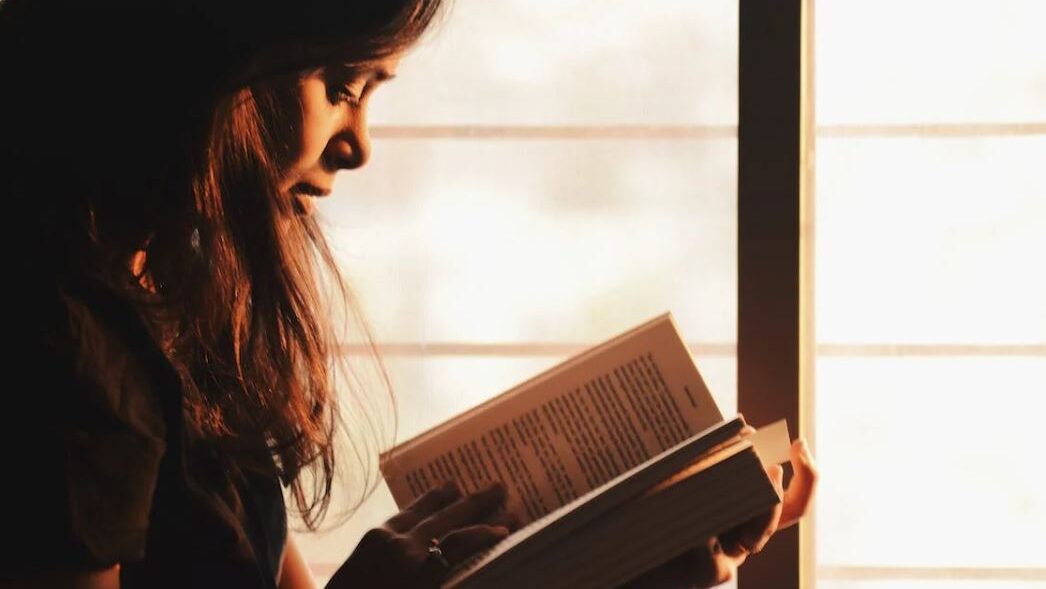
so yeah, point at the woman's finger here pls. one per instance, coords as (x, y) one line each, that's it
(703, 566)
(460, 545)
(751, 536)
(464, 512)
(773, 522)
(503, 518)
(423, 507)
(706, 566)
(800, 493)
(724, 566)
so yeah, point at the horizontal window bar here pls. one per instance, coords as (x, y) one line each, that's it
(943, 130)
(507, 350)
(931, 350)
(848, 573)
(554, 132)
(560, 349)
(853, 573)
(580, 132)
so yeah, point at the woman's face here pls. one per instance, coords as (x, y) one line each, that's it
(333, 132)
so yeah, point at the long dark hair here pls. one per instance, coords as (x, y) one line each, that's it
(130, 126)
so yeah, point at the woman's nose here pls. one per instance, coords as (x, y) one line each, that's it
(351, 146)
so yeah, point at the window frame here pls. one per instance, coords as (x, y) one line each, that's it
(775, 200)
(776, 345)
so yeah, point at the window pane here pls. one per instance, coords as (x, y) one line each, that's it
(571, 62)
(930, 61)
(931, 462)
(943, 584)
(931, 241)
(601, 191)
(930, 321)
(569, 241)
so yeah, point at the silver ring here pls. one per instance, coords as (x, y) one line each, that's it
(436, 553)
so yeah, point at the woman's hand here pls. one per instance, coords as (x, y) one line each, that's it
(751, 537)
(397, 554)
(717, 561)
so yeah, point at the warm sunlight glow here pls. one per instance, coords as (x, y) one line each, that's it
(930, 294)
(462, 247)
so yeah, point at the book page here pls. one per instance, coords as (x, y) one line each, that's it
(771, 443)
(568, 430)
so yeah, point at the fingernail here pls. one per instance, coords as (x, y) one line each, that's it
(501, 531)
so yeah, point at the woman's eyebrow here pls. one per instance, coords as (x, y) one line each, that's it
(378, 73)
(383, 74)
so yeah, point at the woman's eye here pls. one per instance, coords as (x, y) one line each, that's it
(345, 94)
(351, 93)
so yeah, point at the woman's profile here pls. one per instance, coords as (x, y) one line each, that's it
(172, 299)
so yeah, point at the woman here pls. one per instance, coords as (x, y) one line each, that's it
(159, 164)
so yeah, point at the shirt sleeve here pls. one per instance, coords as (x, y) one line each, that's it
(87, 441)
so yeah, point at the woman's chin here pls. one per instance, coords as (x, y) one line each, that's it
(303, 205)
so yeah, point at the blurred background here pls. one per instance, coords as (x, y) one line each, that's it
(548, 174)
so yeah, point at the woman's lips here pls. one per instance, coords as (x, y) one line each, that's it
(303, 194)
(307, 189)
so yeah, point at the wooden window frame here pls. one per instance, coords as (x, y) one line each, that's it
(774, 202)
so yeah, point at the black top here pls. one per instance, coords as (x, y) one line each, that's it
(100, 473)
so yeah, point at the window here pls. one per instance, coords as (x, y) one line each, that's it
(544, 175)
(930, 294)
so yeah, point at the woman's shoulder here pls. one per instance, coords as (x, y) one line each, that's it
(87, 437)
(108, 457)
(87, 357)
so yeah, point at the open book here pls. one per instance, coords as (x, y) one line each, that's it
(615, 461)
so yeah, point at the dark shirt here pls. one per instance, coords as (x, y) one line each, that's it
(100, 472)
